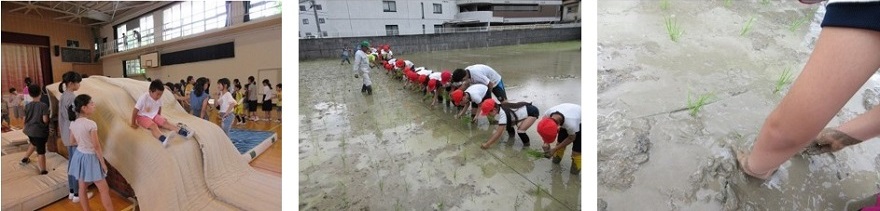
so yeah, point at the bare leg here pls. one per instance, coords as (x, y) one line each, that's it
(155, 131)
(82, 192)
(41, 160)
(844, 58)
(104, 191)
(170, 126)
(30, 151)
(527, 123)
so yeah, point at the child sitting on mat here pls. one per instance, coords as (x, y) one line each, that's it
(147, 114)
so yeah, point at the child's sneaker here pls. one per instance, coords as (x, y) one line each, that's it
(25, 161)
(184, 131)
(76, 198)
(44, 172)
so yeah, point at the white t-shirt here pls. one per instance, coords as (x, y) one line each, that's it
(477, 92)
(424, 72)
(482, 74)
(268, 92)
(435, 76)
(521, 113)
(393, 62)
(148, 107)
(408, 63)
(225, 101)
(572, 114)
(81, 130)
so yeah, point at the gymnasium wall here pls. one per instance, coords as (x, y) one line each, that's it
(58, 32)
(254, 50)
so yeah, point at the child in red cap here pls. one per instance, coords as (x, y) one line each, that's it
(521, 114)
(563, 123)
(475, 94)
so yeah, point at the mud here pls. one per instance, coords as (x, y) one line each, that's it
(652, 151)
(393, 151)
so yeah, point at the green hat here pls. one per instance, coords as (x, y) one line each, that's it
(365, 44)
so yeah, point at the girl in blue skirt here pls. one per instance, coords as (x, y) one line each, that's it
(88, 165)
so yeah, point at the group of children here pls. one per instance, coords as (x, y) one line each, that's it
(195, 94)
(475, 86)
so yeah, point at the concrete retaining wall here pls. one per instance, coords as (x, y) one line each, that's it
(404, 44)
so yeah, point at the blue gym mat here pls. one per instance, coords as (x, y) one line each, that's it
(245, 140)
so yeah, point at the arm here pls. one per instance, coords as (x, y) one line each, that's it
(204, 113)
(98, 150)
(491, 85)
(495, 136)
(72, 141)
(461, 112)
(134, 114)
(564, 143)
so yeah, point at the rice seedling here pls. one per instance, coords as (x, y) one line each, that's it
(673, 29)
(728, 3)
(783, 80)
(748, 27)
(694, 104)
(664, 5)
(796, 24)
(534, 153)
(765, 2)
(382, 186)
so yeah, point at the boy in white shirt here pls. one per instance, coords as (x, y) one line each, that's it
(562, 123)
(482, 74)
(147, 114)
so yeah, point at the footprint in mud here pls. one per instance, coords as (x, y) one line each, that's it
(623, 147)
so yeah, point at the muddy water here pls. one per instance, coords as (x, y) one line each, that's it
(393, 151)
(654, 153)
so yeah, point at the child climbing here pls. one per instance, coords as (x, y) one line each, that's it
(147, 114)
(509, 115)
(36, 127)
(87, 165)
(568, 116)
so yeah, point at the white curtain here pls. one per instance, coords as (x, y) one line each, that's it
(20, 61)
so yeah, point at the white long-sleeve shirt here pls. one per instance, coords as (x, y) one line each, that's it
(361, 62)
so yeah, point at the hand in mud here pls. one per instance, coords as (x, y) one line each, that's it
(134, 125)
(356, 75)
(484, 146)
(830, 140)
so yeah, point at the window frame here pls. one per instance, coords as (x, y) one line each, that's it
(436, 7)
(305, 21)
(392, 30)
(387, 6)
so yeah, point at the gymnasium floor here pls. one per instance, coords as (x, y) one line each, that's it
(268, 162)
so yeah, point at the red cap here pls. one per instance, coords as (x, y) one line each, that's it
(445, 76)
(487, 106)
(412, 76)
(548, 129)
(432, 85)
(400, 63)
(423, 79)
(457, 95)
(387, 66)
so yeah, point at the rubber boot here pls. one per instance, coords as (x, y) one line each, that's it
(575, 164)
(363, 88)
(370, 90)
(557, 158)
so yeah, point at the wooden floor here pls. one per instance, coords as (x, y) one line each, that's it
(268, 162)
